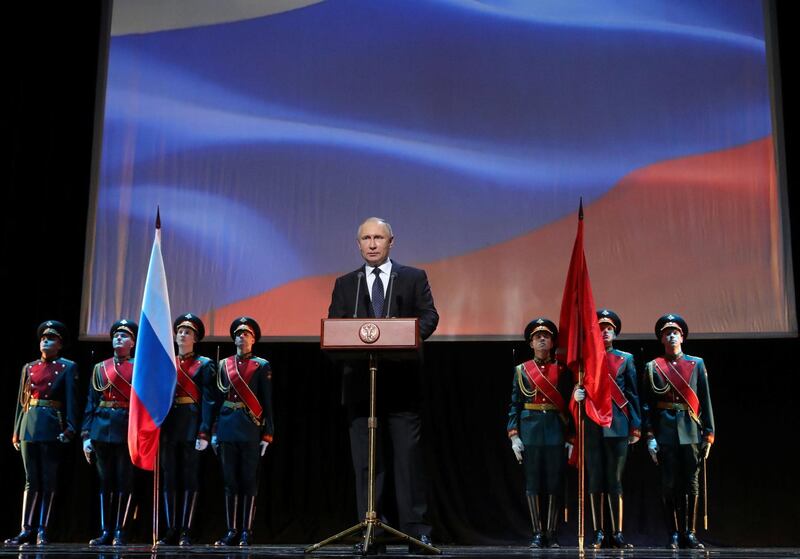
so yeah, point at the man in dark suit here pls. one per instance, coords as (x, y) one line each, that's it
(679, 424)
(383, 288)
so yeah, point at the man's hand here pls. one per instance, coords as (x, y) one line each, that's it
(88, 449)
(705, 449)
(200, 444)
(633, 439)
(570, 447)
(579, 395)
(214, 444)
(263, 445)
(16, 445)
(517, 447)
(652, 448)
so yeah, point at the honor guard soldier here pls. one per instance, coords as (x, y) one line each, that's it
(538, 426)
(679, 424)
(46, 419)
(607, 447)
(244, 429)
(186, 431)
(105, 433)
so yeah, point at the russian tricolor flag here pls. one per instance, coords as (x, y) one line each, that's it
(154, 370)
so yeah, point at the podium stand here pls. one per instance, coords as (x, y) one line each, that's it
(356, 339)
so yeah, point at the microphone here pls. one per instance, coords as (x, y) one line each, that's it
(389, 293)
(358, 291)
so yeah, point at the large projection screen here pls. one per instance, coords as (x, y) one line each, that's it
(267, 131)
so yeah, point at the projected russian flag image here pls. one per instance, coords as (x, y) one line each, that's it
(154, 369)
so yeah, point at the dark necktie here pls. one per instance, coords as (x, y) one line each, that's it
(377, 294)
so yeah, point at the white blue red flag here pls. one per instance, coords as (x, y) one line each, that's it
(154, 370)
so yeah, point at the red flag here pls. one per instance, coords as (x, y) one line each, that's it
(580, 344)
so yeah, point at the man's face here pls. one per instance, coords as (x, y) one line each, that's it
(608, 333)
(50, 345)
(185, 338)
(123, 343)
(671, 338)
(374, 242)
(542, 342)
(244, 341)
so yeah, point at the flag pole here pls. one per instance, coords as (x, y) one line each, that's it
(156, 488)
(579, 429)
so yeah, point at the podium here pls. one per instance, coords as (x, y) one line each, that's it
(358, 339)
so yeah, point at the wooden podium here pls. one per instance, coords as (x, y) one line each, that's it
(355, 339)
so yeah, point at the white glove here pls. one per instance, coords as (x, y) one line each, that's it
(705, 449)
(88, 449)
(214, 444)
(263, 445)
(652, 448)
(517, 447)
(569, 448)
(579, 395)
(62, 438)
(16, 446)
(200, 444)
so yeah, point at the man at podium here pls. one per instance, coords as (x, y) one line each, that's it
(382, 288)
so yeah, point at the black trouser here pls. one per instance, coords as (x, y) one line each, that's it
(114, 467)
(605, 460)
(41, 461)
(240, 467)
(403, 431)
(544, 469)
(680, 469)
(180, 464)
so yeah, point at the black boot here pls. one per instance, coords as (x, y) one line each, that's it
(248, 513)
(106, 534)
(44, 518)
(552, 521)
(615, 507)
(231, 507)
(26, 534)
(671, 522)
(536, 521)
(169, 536)
(187, 518)
(690, 538)
(123, 513)
(596, 506)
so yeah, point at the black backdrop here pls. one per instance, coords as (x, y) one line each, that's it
(307, 493)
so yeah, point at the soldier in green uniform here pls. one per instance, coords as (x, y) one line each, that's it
(186, 431)
(538, 426)
(679, 424)
(607, 447)
(46, 419)
(105, 433)
(244, 429)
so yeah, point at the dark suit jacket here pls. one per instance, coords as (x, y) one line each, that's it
(410, 297)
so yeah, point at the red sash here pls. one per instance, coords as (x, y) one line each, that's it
(185, 379)
(239, 384)
(614, 362)
(679, 377)
(543, 384)
(119, 376)
(43, 375)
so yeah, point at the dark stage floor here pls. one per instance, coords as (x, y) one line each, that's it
(199, 552)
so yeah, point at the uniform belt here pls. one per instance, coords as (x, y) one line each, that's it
(114, 404)
(234, 405)
(541, 407)
(183, 400)
(672, 406)
(37, 402)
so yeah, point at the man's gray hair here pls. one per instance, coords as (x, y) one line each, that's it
(375, 220)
